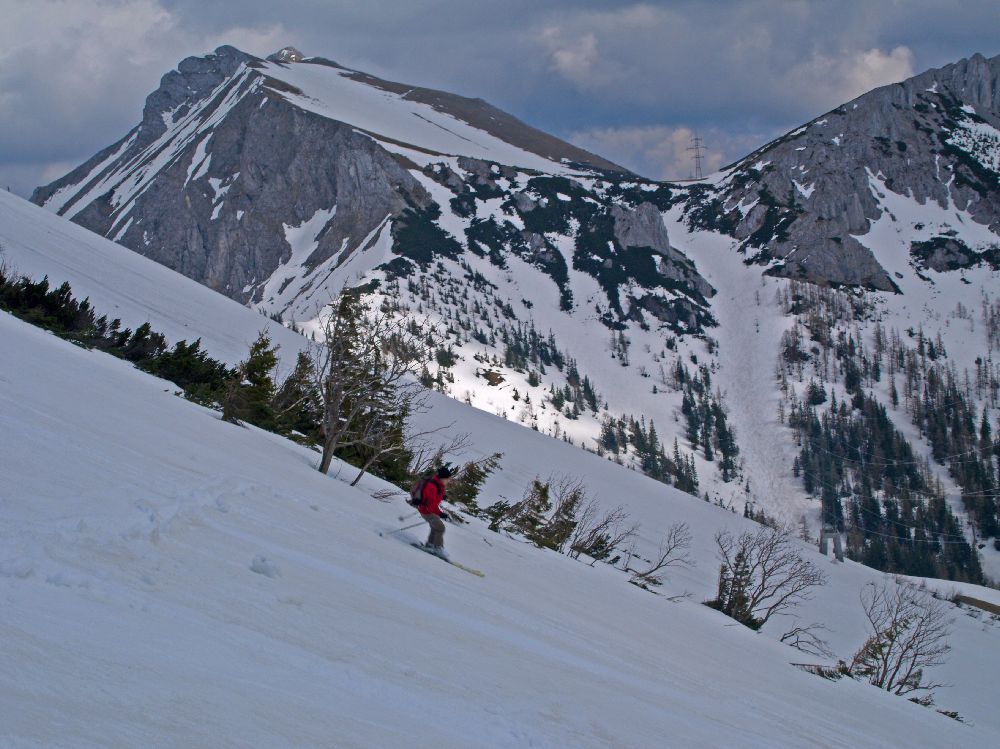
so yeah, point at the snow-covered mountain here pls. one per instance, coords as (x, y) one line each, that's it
(279, 181)
(805, 203)
(650, 322)
(293, 162)
(170, 579)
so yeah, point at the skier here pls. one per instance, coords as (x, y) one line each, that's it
(430, 510)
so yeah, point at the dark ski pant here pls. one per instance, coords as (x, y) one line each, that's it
(436, 536)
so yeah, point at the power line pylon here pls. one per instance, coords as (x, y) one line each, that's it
(697, 145)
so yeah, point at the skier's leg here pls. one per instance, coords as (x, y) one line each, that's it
(429, 519)
(436, 537)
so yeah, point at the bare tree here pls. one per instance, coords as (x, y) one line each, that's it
(909, 633)
(673, 552)
(762, 574)
(364, 373)
(427, 455)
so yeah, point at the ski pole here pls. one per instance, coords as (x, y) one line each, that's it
(404, 528)
(407, 515)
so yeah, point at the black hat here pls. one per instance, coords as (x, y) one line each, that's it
(444, 472)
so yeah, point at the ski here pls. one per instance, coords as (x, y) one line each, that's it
(470, 570)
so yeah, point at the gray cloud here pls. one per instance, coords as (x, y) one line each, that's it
(74, 76)
(626, 77)
(664, 152)
(720, 58)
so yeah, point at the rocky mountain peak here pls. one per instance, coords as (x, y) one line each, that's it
(975, 80)
(244, 168)
(803, 203)
(287, 54)
(194, 78)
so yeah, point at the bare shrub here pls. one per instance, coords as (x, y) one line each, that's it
(557, 514)
(807, 639)
(673, 552)
(426, 456)
(599, 536)
(909, 632)
(762, 574)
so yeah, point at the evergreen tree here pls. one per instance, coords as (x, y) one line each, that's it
(250, 396)
(589, 395)
(296, 402)
(528, 515)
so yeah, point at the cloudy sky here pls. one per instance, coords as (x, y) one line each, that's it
(629, 80)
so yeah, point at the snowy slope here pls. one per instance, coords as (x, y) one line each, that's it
(127, 285)
(415, 129)
(951, 305)
(749, 334)
(174, 580)
(132, 522)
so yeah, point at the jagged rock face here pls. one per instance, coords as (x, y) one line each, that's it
(219, 215)
(287, 54)
(799, 201)
(643, 226)
(232, 245)
(242, 180)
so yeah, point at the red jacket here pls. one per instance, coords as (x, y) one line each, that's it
(432, 494)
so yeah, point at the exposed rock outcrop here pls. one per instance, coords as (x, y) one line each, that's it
(800, 201)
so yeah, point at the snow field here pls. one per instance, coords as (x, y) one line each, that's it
(332, 93)
(131, 520)
(121, 283)
(171, 638)
(748, 334)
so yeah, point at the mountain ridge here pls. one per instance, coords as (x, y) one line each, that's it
(483, 115)
(813, 238)
(799, 214)
(635, 318)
